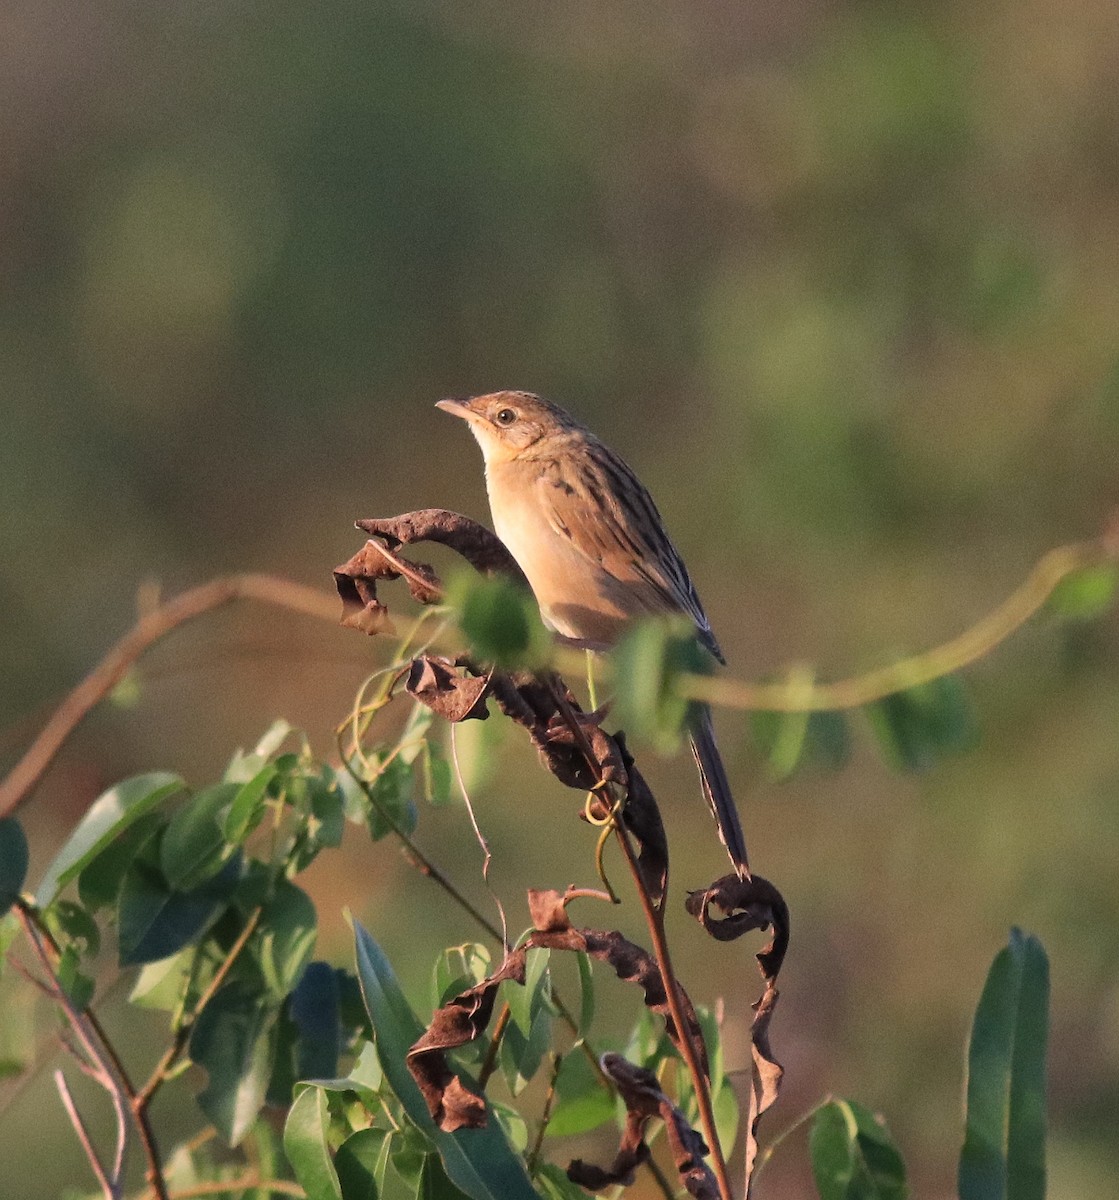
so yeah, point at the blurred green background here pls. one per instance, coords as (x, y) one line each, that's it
(838, 279)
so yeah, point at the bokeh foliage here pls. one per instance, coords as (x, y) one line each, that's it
(839, 281)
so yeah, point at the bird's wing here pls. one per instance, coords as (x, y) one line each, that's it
(604, 511)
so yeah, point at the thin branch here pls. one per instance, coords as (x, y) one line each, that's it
(152, 626)
(143, 1097)
(959, 652)
(654, 918)
(545, 1115)
(110, 1188)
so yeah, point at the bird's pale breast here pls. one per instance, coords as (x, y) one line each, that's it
(577, 597)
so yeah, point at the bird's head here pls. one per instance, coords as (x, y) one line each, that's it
(508, 425)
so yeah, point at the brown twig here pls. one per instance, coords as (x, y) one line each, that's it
(143, 1097)
(654, 918)
(489, 1065)
(111, 1187)
(152, 626)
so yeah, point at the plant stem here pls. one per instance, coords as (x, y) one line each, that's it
(152, 626)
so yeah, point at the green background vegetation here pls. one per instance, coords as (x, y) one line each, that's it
(840, 281)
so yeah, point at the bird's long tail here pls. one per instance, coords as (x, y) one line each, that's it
(713, 776)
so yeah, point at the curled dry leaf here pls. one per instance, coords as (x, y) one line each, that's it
(644, 1100)
(448, 690)
(482, 549)
(465, 1016)
(356, 581)
(751, 904)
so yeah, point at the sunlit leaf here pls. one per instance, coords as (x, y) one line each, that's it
(1086, 594)
(647, 663)
(479, 1161)
(1003, 1156)
(853, 1157)
(108, 816)
(583, 1101)
(248, 805)
(285, 937)
(360, 1163)
(307, 1147)
(501, 621)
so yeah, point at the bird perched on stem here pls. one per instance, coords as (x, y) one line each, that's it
(592, 545)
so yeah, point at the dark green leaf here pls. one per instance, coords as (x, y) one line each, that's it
(101, 879)
(313, 1009)
(361, 1161)
(328, 806)
(155, 920)
(13, 861)
(285, 937)
(107, 817)
(248, 805)
(853, 1157)
(433, 1182)
(234, 1040)
(194, 847)
(1003, 1157)
(918, 727)
(306, 1145)
(647, 662)
(501, 621)
(479, 1161)
(1087, 593)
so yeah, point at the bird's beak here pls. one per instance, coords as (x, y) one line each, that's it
(456, 406)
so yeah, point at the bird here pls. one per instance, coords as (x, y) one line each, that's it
(592, 544)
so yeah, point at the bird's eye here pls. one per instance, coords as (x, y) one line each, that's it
(507, 416)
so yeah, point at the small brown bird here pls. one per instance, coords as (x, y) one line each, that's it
(592, 544)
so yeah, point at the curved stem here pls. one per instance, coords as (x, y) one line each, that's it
(152, 626)
(951, 656)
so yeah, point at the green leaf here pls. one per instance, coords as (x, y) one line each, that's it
(437, 775)
(234, 1040)
(392, 792)
(100, 881)
(313, 1009)
(161, 984)
(13, 861)
(500, 620)
(479, 1161)
(586, 994)
(792, 741)
(647, 662)
(155, 920)
(194, 846)
(456, 969)
(1086, 594)
(583, 1101)
(529, 1033)
(852, 1155)
(306, 1145)
(285, 937)
(107, 818)
(361, 1161)
(918, 727)
(248, 805)
(433, 1183)
(555, 1184)
(77, 986)
(242, 767)
(69, 922)
(1003, 1156)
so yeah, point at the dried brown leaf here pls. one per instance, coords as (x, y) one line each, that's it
(482, 549)
(448, 690)
(644, 1100)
